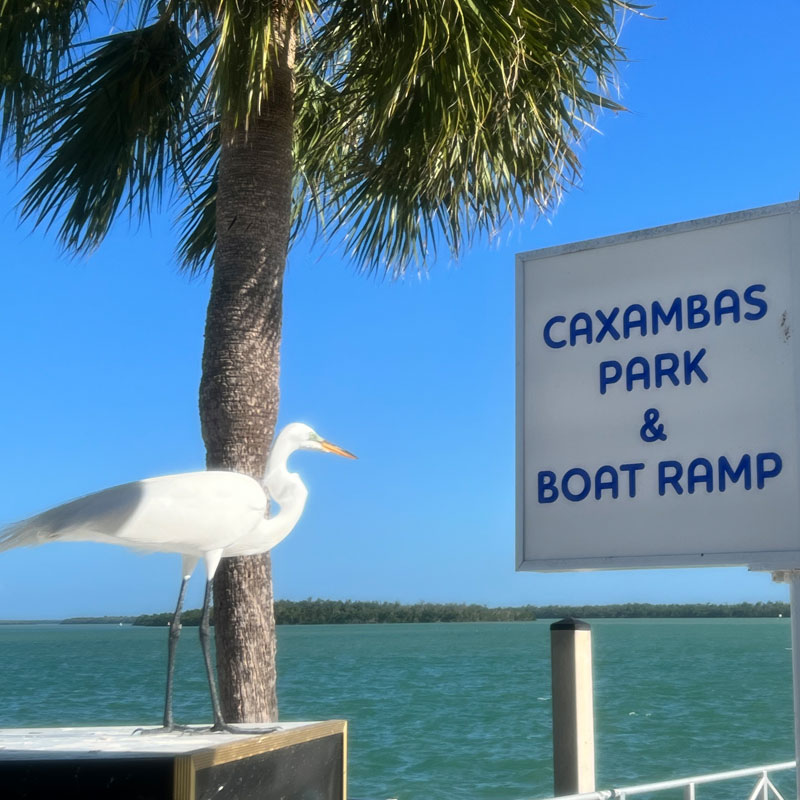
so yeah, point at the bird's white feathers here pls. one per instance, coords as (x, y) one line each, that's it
(191, 513)
(208, 515)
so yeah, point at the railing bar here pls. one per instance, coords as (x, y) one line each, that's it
(717, 776)
(758, 788)
(622, 792)
(771, 785)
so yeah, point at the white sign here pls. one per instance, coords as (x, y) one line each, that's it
(657, 414)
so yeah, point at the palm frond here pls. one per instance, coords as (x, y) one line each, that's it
(256, 38)
(416, 122)
(439, 121)
(35, 38)
(195, 17)
(114, 135)
(198, 235)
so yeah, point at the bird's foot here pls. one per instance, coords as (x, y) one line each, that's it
(224, 727)
(172, 728)
(217, 727)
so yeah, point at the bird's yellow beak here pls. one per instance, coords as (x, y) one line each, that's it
(332, 448)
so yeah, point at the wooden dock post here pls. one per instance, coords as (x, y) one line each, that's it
(573, 707)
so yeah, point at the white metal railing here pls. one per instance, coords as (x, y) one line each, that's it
(764, 788)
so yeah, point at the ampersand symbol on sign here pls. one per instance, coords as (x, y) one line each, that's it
(650, 432)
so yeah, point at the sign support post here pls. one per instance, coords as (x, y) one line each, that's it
(792, 577)
(794, 611)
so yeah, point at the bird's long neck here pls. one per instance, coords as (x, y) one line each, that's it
(284, 487)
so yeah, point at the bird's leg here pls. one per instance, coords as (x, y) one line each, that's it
(174, 634)
(205, 635)
(205, 644)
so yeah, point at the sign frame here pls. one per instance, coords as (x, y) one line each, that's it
(754, 558)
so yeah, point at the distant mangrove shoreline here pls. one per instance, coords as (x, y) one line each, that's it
(129, 620)
(349, 612)
(358, 612)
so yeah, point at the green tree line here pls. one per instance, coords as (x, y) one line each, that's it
(343, 612)
(657, 610)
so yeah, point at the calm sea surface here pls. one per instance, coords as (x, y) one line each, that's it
(451, 710)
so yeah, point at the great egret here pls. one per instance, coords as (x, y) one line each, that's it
(201, 515)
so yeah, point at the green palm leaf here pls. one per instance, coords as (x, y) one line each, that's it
(439, 121)
(34, 38)
(199, 216)
(115, 134)
(419, 122)
(416, 123)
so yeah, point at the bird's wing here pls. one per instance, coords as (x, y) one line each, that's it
(189, 513)
(100, 513)
(206, 510)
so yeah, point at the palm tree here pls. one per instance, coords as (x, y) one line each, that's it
(386, 126)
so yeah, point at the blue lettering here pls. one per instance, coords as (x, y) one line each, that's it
(695, 476)
(547, 486)
(757, 303)
(692, 365)
(742, 470)
(674, 479)
(674, 312)
(548, 339)
(612, 483)
(666, 367)
(732, 307)
(629, 322)
(610, 372)
(763, 472)
(584, 330)
(631, 469)
(577, 472)
(607, 323)
(696, 314)
(641, 374)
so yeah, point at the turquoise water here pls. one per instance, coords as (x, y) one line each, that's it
(451, 710)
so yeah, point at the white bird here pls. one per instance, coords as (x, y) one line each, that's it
(201, 515)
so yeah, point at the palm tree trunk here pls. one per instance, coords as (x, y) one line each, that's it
(241, 362)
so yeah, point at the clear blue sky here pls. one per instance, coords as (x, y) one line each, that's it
(100, 357)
